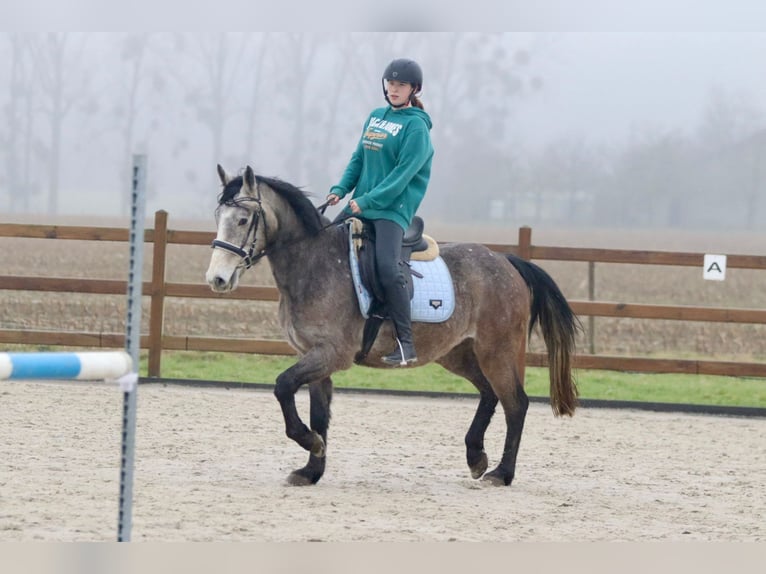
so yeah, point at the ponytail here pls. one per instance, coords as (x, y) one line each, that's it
(415, 101)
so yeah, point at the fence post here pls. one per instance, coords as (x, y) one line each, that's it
(157, 312)
(592, 297)
(525, 242)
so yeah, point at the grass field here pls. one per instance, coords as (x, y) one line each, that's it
(702, 389)
(614, 282)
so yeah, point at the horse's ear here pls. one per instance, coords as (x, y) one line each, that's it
(222, 175)
(249, 177)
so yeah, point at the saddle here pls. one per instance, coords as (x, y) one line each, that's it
(416, 246)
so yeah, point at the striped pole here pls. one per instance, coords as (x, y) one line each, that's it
(89, 366)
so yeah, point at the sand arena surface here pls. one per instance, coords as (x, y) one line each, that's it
(211, 466)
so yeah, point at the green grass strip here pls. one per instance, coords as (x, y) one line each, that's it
(608, 385)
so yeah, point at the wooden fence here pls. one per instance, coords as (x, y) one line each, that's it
(158, 290)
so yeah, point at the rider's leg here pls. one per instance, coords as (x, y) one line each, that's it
(391, 272)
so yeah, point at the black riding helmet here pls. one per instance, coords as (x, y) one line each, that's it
(403, 70)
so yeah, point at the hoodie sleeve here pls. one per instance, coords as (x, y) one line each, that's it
(415, 151)
(350, 176)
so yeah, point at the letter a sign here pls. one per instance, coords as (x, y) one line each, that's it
(714, 267)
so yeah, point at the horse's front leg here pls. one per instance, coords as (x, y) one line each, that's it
(311, 367)
(321, 397)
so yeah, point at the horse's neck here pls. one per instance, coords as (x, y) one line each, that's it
(306, 264)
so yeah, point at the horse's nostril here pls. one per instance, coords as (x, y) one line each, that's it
(220, 283)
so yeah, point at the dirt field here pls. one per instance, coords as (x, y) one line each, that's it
(211, 464)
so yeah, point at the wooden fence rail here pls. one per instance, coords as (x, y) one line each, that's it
(158, 290)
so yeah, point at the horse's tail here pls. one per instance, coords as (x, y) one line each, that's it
(559, 327)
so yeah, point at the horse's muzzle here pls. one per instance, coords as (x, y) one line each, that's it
(221, 277)
(220, 285)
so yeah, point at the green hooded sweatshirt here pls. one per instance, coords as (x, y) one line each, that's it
(391, 166)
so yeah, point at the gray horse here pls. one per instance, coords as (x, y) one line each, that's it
(499, 299)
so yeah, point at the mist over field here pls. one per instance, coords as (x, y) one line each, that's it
(663, 130)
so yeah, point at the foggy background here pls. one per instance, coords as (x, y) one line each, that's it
(629, 130)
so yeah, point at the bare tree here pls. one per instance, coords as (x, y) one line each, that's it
(296, 62)
(650, 180)
(565, 178)
(18, 138)
(57, 58)
(135, 76)
(209, 69)
(471, 82)
(726, 119)
(257, 73)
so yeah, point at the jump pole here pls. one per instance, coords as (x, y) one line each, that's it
(89, 366)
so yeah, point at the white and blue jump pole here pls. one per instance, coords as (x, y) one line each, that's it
(90, 366)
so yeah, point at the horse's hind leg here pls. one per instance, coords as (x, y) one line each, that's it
(321, 396)
(462, 361)
(505, 372)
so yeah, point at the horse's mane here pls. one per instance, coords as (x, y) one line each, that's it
(302, 206)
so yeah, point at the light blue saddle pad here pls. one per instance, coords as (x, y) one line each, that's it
(434, 294)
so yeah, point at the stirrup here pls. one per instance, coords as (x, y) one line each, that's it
(397, 358)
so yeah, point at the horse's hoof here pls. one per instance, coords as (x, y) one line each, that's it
(480, 467)
(496, 478)
(298, 479)
(318, 448)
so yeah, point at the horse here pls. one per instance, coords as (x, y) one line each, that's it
(499, 300)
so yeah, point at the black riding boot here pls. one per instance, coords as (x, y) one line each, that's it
(398, 302)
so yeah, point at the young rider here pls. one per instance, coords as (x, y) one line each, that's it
(388, 174)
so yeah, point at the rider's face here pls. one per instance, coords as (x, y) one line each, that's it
(398, 92)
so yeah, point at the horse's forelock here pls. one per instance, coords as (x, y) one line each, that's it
(230, 190)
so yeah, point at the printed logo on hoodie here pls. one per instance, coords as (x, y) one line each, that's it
(378, 130)
(385, 125)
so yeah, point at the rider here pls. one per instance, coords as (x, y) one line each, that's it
(389, 173)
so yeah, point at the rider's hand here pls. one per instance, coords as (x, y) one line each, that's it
(332, 199)
(354, 207)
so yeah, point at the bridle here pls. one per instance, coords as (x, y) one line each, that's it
(249, 257)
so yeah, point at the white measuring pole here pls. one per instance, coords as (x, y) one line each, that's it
(132, 347)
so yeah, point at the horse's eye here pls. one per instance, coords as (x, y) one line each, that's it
(242, 221)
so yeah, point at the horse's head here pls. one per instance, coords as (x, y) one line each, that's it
(257, 215)
(243, 221)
